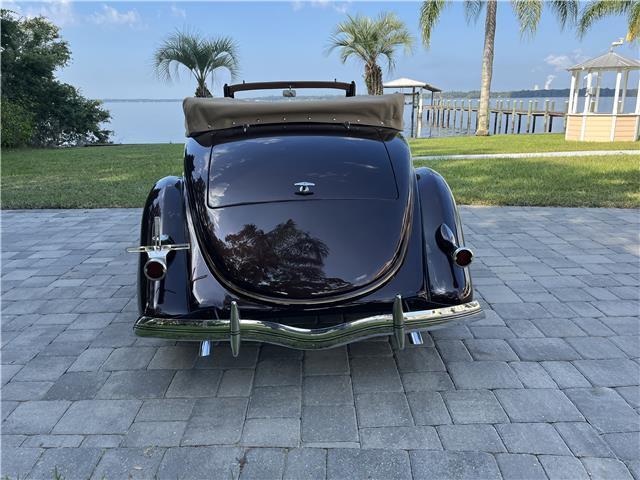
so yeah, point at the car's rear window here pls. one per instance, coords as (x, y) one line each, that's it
(266, 169)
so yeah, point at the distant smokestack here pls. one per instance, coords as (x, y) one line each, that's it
(547, 84)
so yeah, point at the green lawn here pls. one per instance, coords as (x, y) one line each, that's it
(121, 176)
(509, 144)
(89, 177)
(607, 181)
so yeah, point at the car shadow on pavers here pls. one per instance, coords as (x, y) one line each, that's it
(545, 386)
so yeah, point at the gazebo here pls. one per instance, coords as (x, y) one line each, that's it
(590, 122)
(414, 85)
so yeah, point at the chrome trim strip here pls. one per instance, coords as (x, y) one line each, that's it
(302, 338)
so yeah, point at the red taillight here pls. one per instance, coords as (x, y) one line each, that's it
(463, 257)
(155, 269)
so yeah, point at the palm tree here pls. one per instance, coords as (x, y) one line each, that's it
(200, 56)
(598, 9)
(368, 39)
(528, 13)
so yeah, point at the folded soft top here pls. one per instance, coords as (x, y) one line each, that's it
(207, 114)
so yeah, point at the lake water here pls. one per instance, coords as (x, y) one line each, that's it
(146, 122)
(163, 121)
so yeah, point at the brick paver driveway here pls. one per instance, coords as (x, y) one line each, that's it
(545, 386)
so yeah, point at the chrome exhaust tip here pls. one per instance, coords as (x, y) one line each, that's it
(205, 348)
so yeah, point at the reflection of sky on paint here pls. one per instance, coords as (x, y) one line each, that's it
(216, 193)
(113, 43)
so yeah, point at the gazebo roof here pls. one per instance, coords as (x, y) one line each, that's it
(608, 61)
(409, 83)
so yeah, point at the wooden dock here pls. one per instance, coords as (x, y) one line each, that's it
(506, 116)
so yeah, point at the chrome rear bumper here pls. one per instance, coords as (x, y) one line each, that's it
(235, 329)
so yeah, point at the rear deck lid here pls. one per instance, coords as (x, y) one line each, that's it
(267, 169)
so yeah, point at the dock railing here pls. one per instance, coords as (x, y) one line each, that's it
(506, 116)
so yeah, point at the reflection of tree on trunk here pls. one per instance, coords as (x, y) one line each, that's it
(284, 259)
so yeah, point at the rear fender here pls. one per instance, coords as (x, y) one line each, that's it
(448, 283)
(170, 295)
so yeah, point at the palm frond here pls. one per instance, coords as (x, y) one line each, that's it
(472, 9)
(429, 14)
(369, 38)
(634, 23)
(392, 33)
(199, 55)
(221, 52)
(528, 13)
(598, 9)
(565, 10)
(352, 37)
(170, 55)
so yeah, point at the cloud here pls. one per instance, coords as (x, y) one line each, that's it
(178, 12)
(62, 13)
(59, 12)
(558, 62)
(547, 83)
(563, 61)
(110, 15)
(340, 7)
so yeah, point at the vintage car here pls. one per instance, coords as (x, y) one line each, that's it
(300, 223)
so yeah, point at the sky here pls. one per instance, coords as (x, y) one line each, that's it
(112, 44)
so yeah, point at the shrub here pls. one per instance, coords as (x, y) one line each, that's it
(16, 124)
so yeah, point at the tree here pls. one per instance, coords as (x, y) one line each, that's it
(528, 13)
(200, 56)
(598, 9)
(37, 109)
(17, 124)
(368, 39)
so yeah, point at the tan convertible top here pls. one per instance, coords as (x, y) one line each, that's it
(206, 114)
